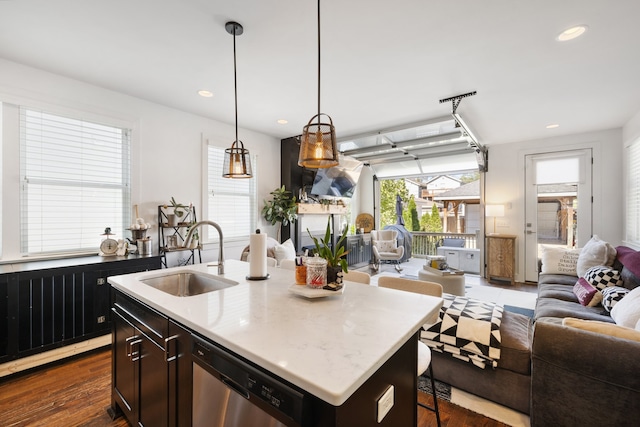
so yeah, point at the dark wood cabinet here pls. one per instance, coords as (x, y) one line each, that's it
(49, 304)
(151, 366)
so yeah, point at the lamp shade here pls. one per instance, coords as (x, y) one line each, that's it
(237, 162)
(318, 147)
(494, 210)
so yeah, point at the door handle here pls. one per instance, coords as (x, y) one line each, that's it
(128, 342)
(530, 232)
(168, 358)
(135, 355)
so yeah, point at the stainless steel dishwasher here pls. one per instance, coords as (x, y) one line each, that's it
(228, 392)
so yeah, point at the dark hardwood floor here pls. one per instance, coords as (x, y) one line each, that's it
(77, 392)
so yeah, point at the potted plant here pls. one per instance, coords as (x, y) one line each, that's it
(173, 219)
(195, 237)
(334, 255)
(282, 209)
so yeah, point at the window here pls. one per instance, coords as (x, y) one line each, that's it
(75, 178)
(230, 202)
(633, 194)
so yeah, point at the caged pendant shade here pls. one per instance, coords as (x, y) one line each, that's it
(237, 161)
(318, 147)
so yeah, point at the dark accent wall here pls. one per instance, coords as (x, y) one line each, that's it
(292, 176)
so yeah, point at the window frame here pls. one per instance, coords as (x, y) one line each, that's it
(122, 182)
(210, 190)
(632, 199)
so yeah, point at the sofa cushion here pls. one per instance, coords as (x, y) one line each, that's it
(627, 311)
(602, 276)
(629, 280)
(551, 307)
(559, 292)
(584, 291)
(561, 279)
(285, 251)
(515, 353)
(595, 252)
(603, 328)
(559, 260)
(612, 295)
(629, 258)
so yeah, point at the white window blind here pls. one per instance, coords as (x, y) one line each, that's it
(230, 202)
(633, 194)
(75, 179)
(557, 171)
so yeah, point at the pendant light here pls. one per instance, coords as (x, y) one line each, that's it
(318, 148)
(237, 162)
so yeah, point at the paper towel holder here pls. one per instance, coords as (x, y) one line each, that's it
(249, 277)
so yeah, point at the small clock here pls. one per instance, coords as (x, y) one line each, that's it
(108, 246)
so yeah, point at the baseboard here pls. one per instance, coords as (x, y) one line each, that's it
(24, 363)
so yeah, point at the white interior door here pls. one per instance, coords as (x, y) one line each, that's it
(558, 203)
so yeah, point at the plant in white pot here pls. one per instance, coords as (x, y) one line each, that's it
(281, 209)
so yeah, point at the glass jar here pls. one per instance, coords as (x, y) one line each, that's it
(316, 272)
(301, 273)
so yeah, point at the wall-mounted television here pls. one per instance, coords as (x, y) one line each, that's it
(338, 181)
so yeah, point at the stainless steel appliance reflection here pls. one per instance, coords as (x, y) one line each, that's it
(229, 392)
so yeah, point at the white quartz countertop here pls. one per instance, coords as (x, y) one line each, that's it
(327, 346)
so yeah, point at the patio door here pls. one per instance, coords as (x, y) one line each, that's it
(558, 203)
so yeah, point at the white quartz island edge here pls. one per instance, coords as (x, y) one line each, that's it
(327, 346)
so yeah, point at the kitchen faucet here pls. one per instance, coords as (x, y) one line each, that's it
(220, 253)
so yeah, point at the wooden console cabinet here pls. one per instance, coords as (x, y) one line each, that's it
(501, 257)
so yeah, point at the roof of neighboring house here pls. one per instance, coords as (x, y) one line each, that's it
(470, 191)
(439, 177)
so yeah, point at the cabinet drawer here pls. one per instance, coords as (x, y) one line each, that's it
(152, 323)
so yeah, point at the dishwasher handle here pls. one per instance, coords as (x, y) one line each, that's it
(234, 386)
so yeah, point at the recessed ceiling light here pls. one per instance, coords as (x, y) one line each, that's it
(205, 93)
(571, 33)
(553, 126)
(283, 121)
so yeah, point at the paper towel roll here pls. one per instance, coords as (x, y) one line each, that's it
(258, 251)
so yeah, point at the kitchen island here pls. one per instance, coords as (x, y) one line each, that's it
(343, 350)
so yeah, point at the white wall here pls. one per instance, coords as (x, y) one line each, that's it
(166, 146)
(505, 183)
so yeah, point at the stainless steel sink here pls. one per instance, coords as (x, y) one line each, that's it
(188, 283)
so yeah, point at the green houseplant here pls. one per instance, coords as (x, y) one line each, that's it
(178, 208)
(333, 255)
(281, 209)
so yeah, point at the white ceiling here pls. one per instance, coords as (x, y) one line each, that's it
(384, 63)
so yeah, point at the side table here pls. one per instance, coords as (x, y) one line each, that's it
(451, 283)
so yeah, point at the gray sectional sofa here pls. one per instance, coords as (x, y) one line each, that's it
(580, 377)
(559, 375)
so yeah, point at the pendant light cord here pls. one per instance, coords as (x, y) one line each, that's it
(235, 79)
(318, 62)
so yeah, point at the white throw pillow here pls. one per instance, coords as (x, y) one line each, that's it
(559, 260)
(387, 245)
(626, 312)
(285, 251)
(595, 252)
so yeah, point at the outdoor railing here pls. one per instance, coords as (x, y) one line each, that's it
(424, 243)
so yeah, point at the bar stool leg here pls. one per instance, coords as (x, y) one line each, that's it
(433, 408)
